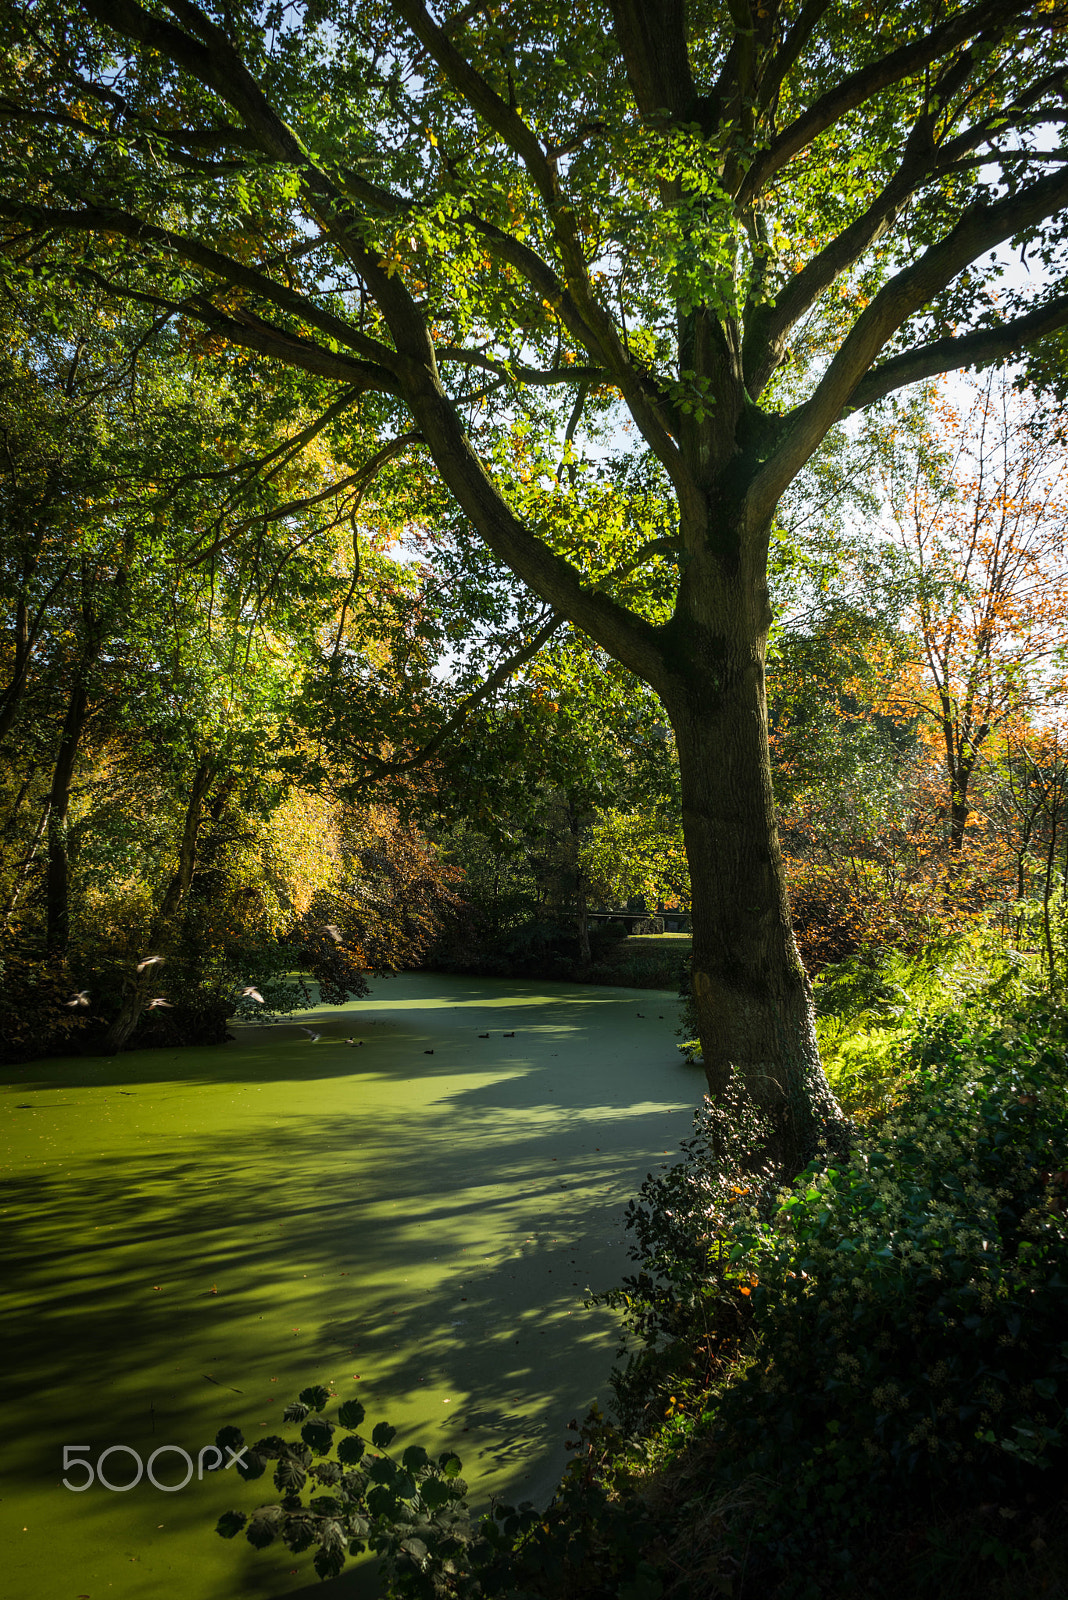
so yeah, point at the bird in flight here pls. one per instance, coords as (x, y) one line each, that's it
(334, 931)
(158, 1001)
(149, 961)
(312, 1035)
(80, 999)
(354, 1041)
(249, 993)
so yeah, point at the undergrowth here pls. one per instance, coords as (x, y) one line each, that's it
(877, 1354)
(869, 1007)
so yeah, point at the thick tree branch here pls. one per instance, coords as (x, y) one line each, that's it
(977, 349)
(922, 163)
(981, 228)
(767, 332)
(109, 220)
(644, 403)
(988, 17)
(600, 336)
(629, 637)
(785, 58)
(625, 634)
(652, 39)
(278, 344)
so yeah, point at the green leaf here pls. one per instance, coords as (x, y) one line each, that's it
(318, 1435)
(351, 1414)
(328, 1563)
(251, 1466)
(261, 1532)
(382, 1435)
(289, 1476)
(314, 1397)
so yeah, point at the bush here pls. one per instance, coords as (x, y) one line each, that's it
(889, 1332)
(641, 972)
(35, 1017)
(870, 1006)
(411, 1511)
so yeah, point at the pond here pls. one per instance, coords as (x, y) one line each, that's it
(190, 1237)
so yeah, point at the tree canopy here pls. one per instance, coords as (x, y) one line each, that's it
(500, 239)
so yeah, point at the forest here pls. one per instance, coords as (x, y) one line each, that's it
(582, 496)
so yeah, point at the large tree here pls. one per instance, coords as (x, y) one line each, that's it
(742, 221)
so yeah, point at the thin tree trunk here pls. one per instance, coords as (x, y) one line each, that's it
(582, 919)
(57, 883)
(130, 1011)
(24, 867)
(582, 906)
(182, 876)
(1047, 895)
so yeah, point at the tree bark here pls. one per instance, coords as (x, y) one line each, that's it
(130, 1011)
(182, 876)
(57, 882)
(752, 995)
(960, 806)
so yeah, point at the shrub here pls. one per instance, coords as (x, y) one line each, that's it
(889, 1330)
(411, 1511)
(35, 1018)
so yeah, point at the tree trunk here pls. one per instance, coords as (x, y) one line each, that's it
(582, 920)
(25, 864)
(1047, 896)
(751, 992)
(582, 905)
(182, 876)
(57, 883)
(960, 808)
(130, 1011)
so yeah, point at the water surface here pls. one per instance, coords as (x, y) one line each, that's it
(191, 1236)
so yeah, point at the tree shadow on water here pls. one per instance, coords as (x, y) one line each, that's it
(436, 1237)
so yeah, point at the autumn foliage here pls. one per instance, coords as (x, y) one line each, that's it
(912, 800)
